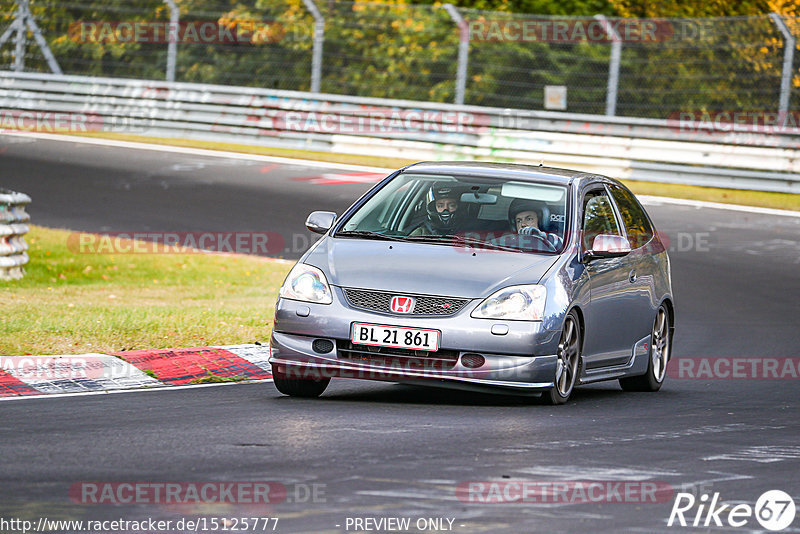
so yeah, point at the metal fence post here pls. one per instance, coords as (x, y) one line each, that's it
(463, 51)
(24, 19)
(39, 38)
(613, 65)
(789, 42)
(22, 36)
(13, 27)
(319, 40)
(7, 33)
(172, 40)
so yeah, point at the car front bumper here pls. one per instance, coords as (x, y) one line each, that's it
(520, 360)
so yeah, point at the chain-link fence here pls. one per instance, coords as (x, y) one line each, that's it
(628, 67)
(717, 64)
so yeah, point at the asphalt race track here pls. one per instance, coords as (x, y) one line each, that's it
(373, 450)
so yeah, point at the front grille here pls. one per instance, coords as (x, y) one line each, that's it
(366, 299)
(398, 359)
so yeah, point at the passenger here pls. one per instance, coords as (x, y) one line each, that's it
(443, 214)
(525, 217)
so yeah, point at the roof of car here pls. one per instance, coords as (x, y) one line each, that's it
(503, 170)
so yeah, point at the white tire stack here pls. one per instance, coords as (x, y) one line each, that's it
(13, 248)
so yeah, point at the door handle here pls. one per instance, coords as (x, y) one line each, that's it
(632, 276)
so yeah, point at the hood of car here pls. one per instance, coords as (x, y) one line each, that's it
(425, 268)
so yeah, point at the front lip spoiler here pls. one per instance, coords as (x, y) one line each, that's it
(400, 375)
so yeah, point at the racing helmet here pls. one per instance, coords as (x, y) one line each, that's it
(446, 220)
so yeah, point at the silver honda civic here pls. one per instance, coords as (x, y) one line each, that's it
(487, 277)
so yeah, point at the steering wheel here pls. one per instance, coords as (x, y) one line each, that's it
(522, 241)
(538, 235)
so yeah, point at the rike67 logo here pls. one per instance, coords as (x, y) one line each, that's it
(774, 510)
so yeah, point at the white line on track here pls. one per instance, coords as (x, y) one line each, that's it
(646, 199)
(348, 167)
(198, 151)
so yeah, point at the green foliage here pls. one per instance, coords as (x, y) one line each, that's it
(538, 7)
(399, 50)
(211, 378)
(59, 21)
(689, 8)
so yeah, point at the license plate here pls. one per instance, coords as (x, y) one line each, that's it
(395, 336)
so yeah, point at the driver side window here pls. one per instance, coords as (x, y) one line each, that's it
(598, 217)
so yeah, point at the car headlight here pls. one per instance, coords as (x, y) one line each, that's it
(515, 303)
(308, 284)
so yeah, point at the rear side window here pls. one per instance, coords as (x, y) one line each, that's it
(637, 225)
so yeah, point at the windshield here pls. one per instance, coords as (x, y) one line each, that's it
(482, 212)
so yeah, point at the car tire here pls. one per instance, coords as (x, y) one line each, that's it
(658, 356)
(299, 387)
(569, 363)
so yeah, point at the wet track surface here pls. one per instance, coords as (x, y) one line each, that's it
(383, 450)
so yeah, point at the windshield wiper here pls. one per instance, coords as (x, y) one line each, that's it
(367, 234)
(445, 239)
(462, 240)
(477, 243)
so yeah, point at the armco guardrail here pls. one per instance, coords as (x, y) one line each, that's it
(13, 248)
(698, 153)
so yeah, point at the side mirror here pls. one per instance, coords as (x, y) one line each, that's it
(320, 221)
(608, 246)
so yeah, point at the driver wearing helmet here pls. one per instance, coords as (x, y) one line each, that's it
(525, 216)
(443, 214)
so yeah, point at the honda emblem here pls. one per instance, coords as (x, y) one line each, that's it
(402, 304)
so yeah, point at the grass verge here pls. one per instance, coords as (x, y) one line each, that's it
(762, 199)
(71, 303)
(786, 201)
(328, 157)
(211, 378)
